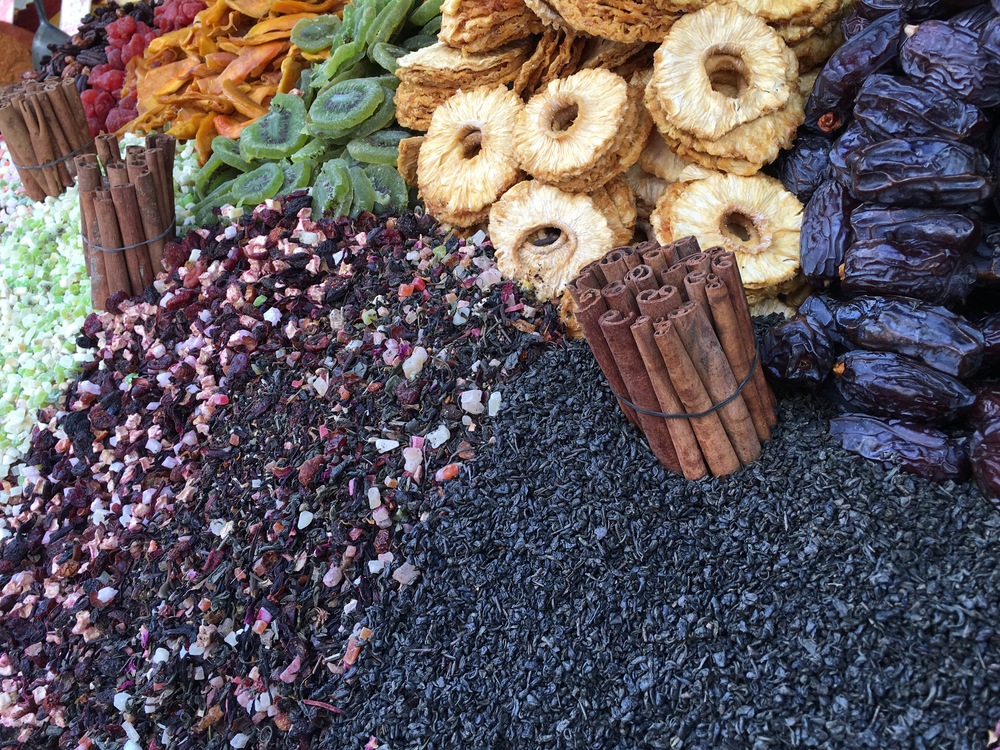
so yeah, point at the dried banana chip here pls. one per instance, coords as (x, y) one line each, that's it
(543, 236)
(467, 158)
(719, 68)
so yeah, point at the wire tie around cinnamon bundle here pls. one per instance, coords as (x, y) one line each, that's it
(696, 415)
(54, 162)
(162, 235)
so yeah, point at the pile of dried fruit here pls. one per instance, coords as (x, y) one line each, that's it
(721, 83)
(335, 132)
(898, 184)
(219, 74)
(223, 483)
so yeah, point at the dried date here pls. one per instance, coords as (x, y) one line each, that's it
(826, 232)
(922, 270)
(797, 355)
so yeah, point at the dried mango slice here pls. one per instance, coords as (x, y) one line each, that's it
(250, 62)
(203, 139)
(228, 126)
(252, 8)
(301, 6)
(284, 24)
(241, 102)
(162, 81)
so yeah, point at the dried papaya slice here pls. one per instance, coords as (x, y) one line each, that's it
(315, 34)
(277, 134)
(257, 185)
(345, 105)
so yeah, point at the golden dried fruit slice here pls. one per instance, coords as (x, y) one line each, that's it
(467, 159)
(616, 201)
(415, 104)
(557, 55)
(440, 65)
(477, 27)
(618, 20)
(785, 11)
(646, 188)
(658, 159)
(565, 129)
(806, 83)
(754, 217)
(770, 306)
(719, 68)
(406, 159)
(543, 236)
(816, 50)
(604, 53)
(660, 216)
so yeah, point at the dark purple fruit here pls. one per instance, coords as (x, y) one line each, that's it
(853, 139)
(952, 59)
(986, 408)
(921, 172)
(902, 225)
(925, 332)
(890, 107)
(989, 327)
(806, 166)
(890, 385)
(922, 270)
(984, 450)
(914, 448)
(826, 232)
(820, 311)
(797, 355)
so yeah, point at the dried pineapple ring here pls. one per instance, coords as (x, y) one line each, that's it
(658, 159)
(556, 55)
(816, 50)
(646, 188)
(617, 203)
(719, 68)
(544, 236)
(479, 27)
(467, 159)
(619, 20)
(754, 217)
(547, 14)
(770, 306)
(785, 11)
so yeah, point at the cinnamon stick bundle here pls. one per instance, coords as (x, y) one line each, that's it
(641, 278)
(116, 271)
(592, 307)
(140, 269)
(44, 128)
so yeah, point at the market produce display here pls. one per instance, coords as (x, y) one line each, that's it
(898, 182)
(243, 442)
(671, 330)
(335, 133)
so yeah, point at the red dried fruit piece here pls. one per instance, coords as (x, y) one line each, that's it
(308, 470)
(119, 118)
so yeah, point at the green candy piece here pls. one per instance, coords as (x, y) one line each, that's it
(364, 192)
(332, 190)
(391, 194)
(389, 21)
(258, 185)
(277, 134)
(386, 55)
(229, 151)
(431, 28)
(425, 12)
(295, 176)
(381, 147)
(380, 118)
(345, 104)
(315, 34)
(418, 42)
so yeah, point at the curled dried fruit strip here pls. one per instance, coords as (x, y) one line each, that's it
(467, 159)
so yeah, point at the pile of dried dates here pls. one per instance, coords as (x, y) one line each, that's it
(897, 167)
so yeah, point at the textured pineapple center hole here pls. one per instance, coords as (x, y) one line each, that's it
(471, 142)
(563, 116)
(740, 228)
(727, 74)
(545, 237)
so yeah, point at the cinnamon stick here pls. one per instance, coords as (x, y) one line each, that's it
(71, 95)
(703, 347)
(619, 297)
(657, 260)
(140, 269)
(89, 180)
(674, 276)
(593, 269)
(116, 271)
(617, 332)
(659, 303)
(629, 255)
(592, 306)
(640, 278)
(694, 286)
(42, 145)
(715, 444)
(18, 140)
(107, 149)
(117, 173)
(686, 246)
(156, 162)
(727, 328)
(58, 123)
(698, 262)
(168, 144)
(152, 225)
(725, 267)
(613, 266)
(681, 433)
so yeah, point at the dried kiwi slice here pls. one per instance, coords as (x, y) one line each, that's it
(295, 176)
(388, 81)
(279, 133)
(391, 195)
(386, 55)
(206, 173)
(345, 105)
(343, 58)
(315, 34)
(332, 190)
(418, 42)
(257, 185)
(228, 150)
(388, 22)
(425, 12)
(431, 28)
(380, 118)
(364, 192)
(311, 151)
(381, 147)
